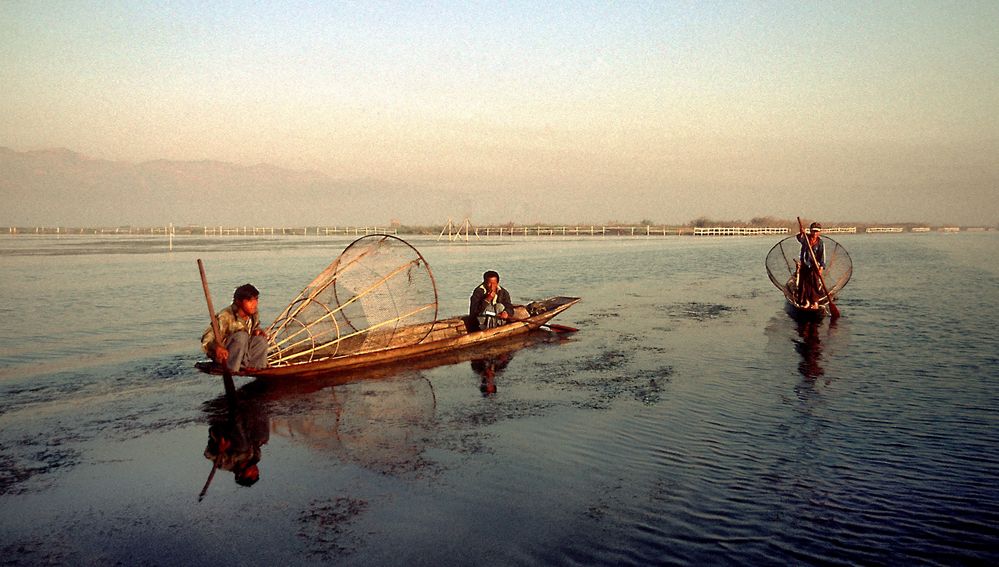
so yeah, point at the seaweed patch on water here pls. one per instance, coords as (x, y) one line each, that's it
(751, 294)
(467, 443)
(596, 316)
(326, 527)
(608, 496)
(696, 311)
(606, 376)
(176, 367)
(139, 423)
(650, 393)
(606, 360)
(503, 411)
(36, 460)
(643, 386)
(37, 551)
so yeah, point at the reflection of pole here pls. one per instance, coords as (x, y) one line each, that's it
(230, 388)
(211, 475)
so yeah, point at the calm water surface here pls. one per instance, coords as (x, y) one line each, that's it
(690, 421)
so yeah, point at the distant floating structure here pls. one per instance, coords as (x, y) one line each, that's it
(950, 229)
(884, 229)
(739, 231)
(921, 229)
(840, 230)
(458, 231)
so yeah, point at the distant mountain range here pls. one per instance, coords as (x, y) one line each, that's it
(59, 187)
(62, 187)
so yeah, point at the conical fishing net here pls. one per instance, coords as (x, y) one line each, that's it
(782, 266)
(379, 294)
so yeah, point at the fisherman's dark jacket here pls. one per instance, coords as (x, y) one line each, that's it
(819, 249)
(477, 303)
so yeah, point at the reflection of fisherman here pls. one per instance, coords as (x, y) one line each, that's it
(810, 348)
(243, 341)
(490, 304)
(809, 286)
(487, 368)
(234, 444)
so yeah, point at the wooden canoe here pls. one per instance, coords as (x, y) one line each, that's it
(445, 335)
(801, 312)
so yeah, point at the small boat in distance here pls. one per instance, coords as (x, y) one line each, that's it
(783, 267)
(377, 304)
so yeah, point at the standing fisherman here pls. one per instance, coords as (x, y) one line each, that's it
(810, 286)
(243, 342)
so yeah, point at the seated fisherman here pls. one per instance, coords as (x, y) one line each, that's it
(490, 304)
(243, 343)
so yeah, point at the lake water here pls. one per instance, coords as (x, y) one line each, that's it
(691, 420)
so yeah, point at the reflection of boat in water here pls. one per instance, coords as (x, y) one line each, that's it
(814, 343)
(382, 425)
(784, 270)
(376, 304)
(809, 346)
(381, 418)
(488, 366)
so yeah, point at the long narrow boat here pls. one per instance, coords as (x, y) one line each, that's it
(375, 304)
(438, 336)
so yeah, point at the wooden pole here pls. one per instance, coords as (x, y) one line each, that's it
(230, 387)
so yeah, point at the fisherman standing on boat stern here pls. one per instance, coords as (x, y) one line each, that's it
(810, 287)
(244, 344)
(490, 304)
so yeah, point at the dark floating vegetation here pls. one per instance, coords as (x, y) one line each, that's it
(697, 311)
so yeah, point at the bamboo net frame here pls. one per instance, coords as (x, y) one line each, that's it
(332, 312)
(378, 287)
(782, 267)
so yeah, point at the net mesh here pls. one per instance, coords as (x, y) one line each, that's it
(782, 266)
(378, 294)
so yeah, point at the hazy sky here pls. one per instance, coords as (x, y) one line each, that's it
(661, 110)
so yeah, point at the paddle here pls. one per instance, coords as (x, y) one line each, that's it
(230, 388)
(550, 326)
(560, 328)
(833, 310)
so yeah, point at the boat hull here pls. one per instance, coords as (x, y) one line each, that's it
(799, 312)
(453, 335)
